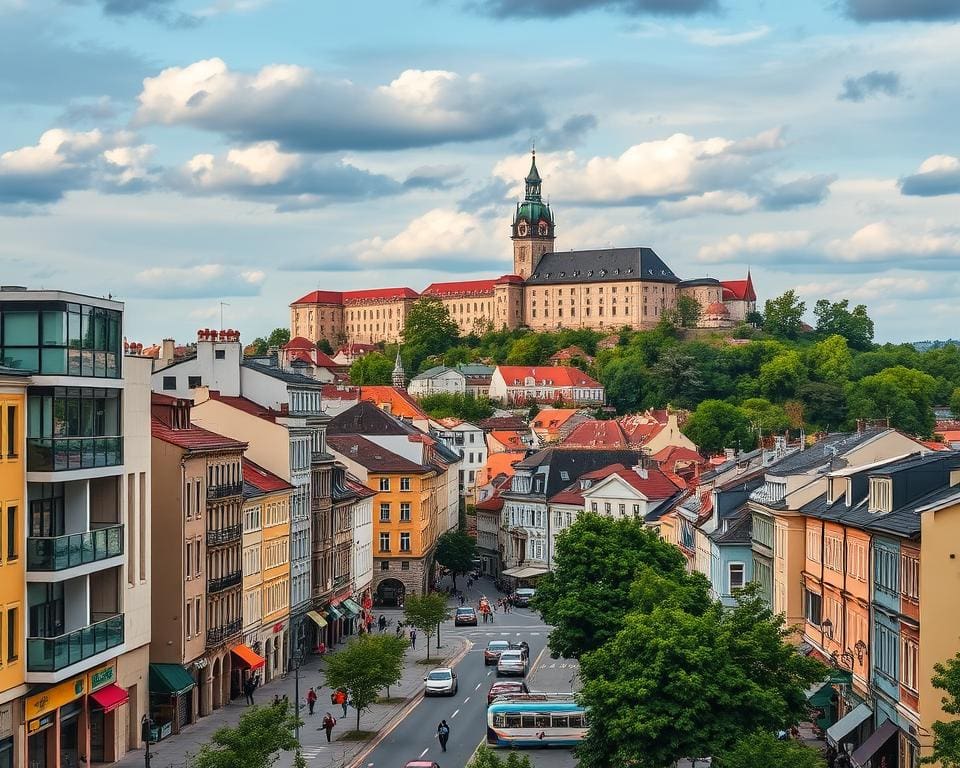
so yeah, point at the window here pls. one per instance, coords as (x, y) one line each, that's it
(886, 651)
(385, 513)
(636, 510)
(220, 354)
(11, 431)
(193, 382)
(384, 483)
(881, 495)
(593, 506)
(623, 510)
(12, 635)
(404, 542)
(188, 621)
(833, 553)
(404, 511)
(12, 533)
(169, 382)
(404, 484)
(910, 577)
(404, 565)
(385, 542)
(384, 565)
(885, 572)
(813, 545)
(812, 607)
(735, 574)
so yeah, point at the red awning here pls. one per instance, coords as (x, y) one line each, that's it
(109, 697)
(248, 658)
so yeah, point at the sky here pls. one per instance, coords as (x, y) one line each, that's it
(193, 157)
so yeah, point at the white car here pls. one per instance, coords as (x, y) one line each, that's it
(441, 681)
(512, 662)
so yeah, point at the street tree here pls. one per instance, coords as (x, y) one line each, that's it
(686, 313)
(783, 316)
(902, 395)
(487, 758)
(255, 742)
(955, 403)
(671, 684)
(836, 318)
(456, 550)
(372, 368)
(587, 594)
(368, 664)
(426, 612)
(278, 337)
(715, 425)
(946, 734)
(763, 749)
(428, 327)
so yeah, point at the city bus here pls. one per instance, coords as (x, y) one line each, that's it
(535, 720)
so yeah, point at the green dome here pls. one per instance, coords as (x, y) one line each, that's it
(533, 211)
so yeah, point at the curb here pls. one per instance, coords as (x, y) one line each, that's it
(402, 713)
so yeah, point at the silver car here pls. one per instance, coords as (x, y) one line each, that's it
(512, 662)
(441, 681)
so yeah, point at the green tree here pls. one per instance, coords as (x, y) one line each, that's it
(456, 551)
(671, 684)
(824, 405)
(768, 418)
(716, 425)
(831, 361)
(678, 377)
(487, 758)
(629, 386)
(255, 742)
(324, 346)
(902, 395)
(686, 314)
(955, 403)
(532, 349)
(836, 318)
(780, 377)
(429, 328)
(783, 316)
(762, 749)
(372, 368)
(946, 734)
(368, 664)
(588, 592)
(258, 347)
(463, 406)
(278, 337)
(425, 612)
(755, 319)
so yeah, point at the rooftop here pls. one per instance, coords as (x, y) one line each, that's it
(557, 375)
(262, 479)
(602, 265)
(373, 457)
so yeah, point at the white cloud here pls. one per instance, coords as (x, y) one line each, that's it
(714, 38)
(716, 201)
(203, 281)
(737, 247)
(881, 242)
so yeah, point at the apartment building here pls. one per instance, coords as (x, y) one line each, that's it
(467, 441)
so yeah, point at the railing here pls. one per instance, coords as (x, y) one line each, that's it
(224, 535)
(49, 654)
(57, 454)
(224, 582)
(54, 553)
(339, 581)
(224, 490)
(217, 635)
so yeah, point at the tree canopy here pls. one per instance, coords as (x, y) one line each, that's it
(255, 742)
(463, 406)
(763, 750)
(368, 664)
(372, 368)
(456, 551)
(783, 316)
(946, 734)
(715, 425)
(425, 612)
(853, 325)
(488, 758)
(428, 329)
(902, 395)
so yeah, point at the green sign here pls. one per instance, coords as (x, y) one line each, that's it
(101, 677)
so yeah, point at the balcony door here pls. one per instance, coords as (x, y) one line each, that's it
(46, 512)
(47, 613)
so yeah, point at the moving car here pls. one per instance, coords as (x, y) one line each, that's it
(422, 764)
(512, 662)
(491, 654)
(441, 681)
(506, 688)
(465, 616)
(523, 595)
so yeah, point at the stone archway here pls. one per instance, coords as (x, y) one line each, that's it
(216, 678)
(226, 677)
(390, 592)
(204, 692)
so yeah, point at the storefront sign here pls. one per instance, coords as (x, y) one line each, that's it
(278, 628)
(6, 721)
(41, 722)
(55, 697)
(101, 677)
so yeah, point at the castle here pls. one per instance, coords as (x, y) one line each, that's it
(602, 289)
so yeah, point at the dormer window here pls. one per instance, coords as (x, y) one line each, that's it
(881, 495)
(585, 484)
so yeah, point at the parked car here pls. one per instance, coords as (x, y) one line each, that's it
(522, 596)
(512, 662)
(491, 654)
(465, 616)
(422, 764)
(441, 681)
(506, 688)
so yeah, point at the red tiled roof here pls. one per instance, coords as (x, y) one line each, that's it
(321, 297)
(553, 418)
(337, 392)
(739, 290)
(299, 342)
(596, 434)
(461, 286)
(508, 438)
(359, 488)
(380, 293)
(193, 438)
(671, 454)
(656, 485)
(263, 479)
(372, 456)
(512, 423)
(401, 403)
(509, 280)
(561, 376)
(156, 398)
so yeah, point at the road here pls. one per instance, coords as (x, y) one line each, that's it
(415, 736)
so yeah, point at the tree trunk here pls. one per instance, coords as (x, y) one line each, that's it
(428, 646)
(358, 718)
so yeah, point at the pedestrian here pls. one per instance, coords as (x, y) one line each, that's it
(413, 639)
(311, 701)
(443, 733)
(328, 722)
(286, 701)
(382, 622)
(369, 624)
(248, 688)
(399, 629)
(340, 697)
(276, 699)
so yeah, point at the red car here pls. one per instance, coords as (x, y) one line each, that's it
(465, 616)
(491, 654)
(506, 688)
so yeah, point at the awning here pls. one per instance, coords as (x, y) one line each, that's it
(171, 679)
(351, 607)
(109, 697)
(526, 572)
(333, 613)
(847, 724)
(874, 743)
(317, 619)
(819, 695)
(248, 658)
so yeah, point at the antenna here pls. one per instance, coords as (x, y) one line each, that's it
(222, 305)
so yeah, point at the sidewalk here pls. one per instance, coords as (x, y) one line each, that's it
(175, 751)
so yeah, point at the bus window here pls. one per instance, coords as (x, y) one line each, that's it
(512, 721)
(541, 721)
(560, 721)
(498, 720)
(576, 721)
(528, 721)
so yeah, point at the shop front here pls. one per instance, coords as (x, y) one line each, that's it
(335, 618)
(353, 614)
(56, 730)
(247, 664)
(316, 631)
(9, 714)
(171, 699)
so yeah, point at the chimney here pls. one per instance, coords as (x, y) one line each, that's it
(166, 352)
(642, 471)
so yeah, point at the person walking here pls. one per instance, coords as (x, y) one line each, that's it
(340, 697)
(311, 701)
(413, 639)
(399, 629)
(248, 688)
(443, 733)
(382, 622)
(328, 722)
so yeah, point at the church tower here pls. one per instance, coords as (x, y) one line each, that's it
(399, 377)
(532, 230)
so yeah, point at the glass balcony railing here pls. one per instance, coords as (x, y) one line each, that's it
(55, 553)
(50, 654)
(224, 535)
(218, 635)
(224, 490)
(224, 582)
(57, 454)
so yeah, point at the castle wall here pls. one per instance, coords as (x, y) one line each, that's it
(317, 321)
(369, 321)
(598, 306)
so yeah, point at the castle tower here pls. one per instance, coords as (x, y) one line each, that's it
(532, 230)
(399, 377)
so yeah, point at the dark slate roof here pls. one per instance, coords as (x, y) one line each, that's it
(552, 462)
(286, 376)
(827, 452)
(365, 418)
(446, 455)
(601, 265)
(699, 281)
(372, 456)
(738, 531)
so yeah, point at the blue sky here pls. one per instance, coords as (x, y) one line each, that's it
(180, 153)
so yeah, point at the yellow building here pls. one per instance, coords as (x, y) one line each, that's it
(12, 579)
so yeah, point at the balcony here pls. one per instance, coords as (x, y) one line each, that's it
(224, 536)
(60, 454)
(50, 654)
(224, 490)
(218, 635)
(224, 582)
(57, 553)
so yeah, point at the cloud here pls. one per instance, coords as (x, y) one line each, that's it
(97, 111)
(570, 134)
(490, 201)
(903, 286)
(262, 171)
(880, 243)
(937, 175)
(199, 282)
(162, 11)
(717, 201)
(231, 6)
(715, 38)
(561, 8)
(434, 177)
(874, 83)
(758, 244)
(303, 110)
(866, 11)
(806, 190)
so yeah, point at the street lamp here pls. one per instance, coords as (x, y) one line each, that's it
(295, 661)
(827, 627)
(861, 649)
(146, 727)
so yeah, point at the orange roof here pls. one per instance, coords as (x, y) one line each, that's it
(502, 463)
(596, 434)
(950, 436)
(401, 404)
(671, 454)
(933, 445)
(507, 438)
(561, 376)
(553, 418)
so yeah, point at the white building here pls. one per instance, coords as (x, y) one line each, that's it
(361, 566)
(439, 379)
(522, 384)
(468, 441)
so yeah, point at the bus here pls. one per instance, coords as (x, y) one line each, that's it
(536, 720)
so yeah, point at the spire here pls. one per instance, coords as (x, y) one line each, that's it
(399, 377)
(533, 179)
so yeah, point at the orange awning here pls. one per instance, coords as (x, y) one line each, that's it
(249, 659)
(109, 697)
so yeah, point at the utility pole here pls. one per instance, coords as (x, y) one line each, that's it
(295, 662)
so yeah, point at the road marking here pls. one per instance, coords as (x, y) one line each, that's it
(466, 700)
(455, 713)
(489, 673)
(478, 686)
(421, 754)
